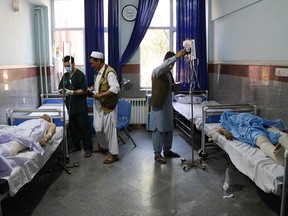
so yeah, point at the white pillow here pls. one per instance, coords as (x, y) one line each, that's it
(186, 99)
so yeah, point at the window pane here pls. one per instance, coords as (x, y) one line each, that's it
(174, 13)
(67, 43)
(153, 49)
(69, 13)
(105, 13)
(161, 16)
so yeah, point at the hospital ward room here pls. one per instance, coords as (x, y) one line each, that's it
(143, 108)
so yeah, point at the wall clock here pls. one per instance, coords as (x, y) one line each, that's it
(129, 13)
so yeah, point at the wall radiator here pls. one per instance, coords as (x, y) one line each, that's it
(138, 111)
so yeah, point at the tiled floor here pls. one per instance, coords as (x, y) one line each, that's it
(137, 185)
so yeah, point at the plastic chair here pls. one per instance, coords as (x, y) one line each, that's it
(123, 118)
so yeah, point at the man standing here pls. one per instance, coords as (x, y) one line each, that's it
(162, 110)
(74, 86)
(105, 92)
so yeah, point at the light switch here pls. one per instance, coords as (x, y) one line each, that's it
(281, 72)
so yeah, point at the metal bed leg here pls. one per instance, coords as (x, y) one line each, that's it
(284, 187)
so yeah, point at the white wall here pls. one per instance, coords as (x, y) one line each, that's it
(251, 33)
(17, 34)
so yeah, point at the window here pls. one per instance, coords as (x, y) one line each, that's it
(159, 39)
(68, 34)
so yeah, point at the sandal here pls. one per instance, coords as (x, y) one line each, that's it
(160, 159)
(111, 159)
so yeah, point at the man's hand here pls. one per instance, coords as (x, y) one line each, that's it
(61, 92)
(176, 87)
(68, 92)
(96, 96)
(90, 89)
(181, 53)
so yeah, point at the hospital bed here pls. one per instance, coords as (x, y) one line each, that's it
(182, 110)
(252, 162)
(30, 162)
(16, 171)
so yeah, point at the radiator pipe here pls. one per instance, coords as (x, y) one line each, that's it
(40, 51)
(44, 47)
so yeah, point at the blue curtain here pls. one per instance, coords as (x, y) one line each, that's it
(144, 17)
(94, 33)
(191, 23)
(113, 36)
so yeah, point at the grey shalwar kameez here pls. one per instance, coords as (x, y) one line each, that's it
(162, 118)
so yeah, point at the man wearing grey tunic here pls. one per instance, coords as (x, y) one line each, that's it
(162, 111)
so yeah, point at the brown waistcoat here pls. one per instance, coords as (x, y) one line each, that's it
(108, 103)
(160, 88)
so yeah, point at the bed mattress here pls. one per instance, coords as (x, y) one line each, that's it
(29, 163)
(185, 111)
(252, 162)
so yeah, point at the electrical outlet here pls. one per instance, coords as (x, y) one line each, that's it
(281, 72)
(24, 100)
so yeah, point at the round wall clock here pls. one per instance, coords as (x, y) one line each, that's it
(129, 13)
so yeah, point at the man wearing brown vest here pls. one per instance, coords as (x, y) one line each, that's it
(105, 93)
(162, 110)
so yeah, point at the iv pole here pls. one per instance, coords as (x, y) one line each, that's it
(189, 45)
(66, 158)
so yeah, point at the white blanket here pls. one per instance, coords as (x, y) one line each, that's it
(26, 164)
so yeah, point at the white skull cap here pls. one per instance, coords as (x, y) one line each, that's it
(97, 55)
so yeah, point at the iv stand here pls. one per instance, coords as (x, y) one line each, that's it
(66, 158)
(187, 164)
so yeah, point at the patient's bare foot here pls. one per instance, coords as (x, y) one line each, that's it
(226, 133)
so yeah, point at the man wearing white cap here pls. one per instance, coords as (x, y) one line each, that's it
(105, 92)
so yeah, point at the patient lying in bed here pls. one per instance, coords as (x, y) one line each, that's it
(33, 134)
(268, 135)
